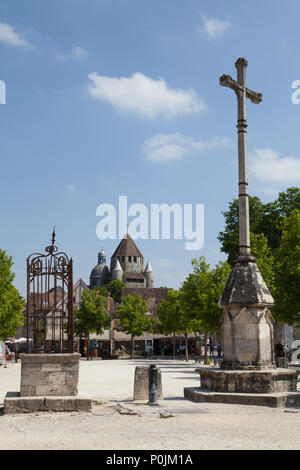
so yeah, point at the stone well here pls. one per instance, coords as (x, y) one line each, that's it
(49, 374)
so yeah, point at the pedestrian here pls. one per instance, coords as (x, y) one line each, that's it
(279, 352)
(219, 349)
(211, 347)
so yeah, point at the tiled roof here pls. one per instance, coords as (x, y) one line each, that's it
(127, 247)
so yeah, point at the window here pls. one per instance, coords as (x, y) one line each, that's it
(129, 259)
(134, 259)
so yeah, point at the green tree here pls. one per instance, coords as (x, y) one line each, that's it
(174, 318)
(11, 303)
(264, 259)
(201, 291)
(264, 218)
(132, 318)
(287, 271)
(102, 290)
(115, 290)
(92, 315)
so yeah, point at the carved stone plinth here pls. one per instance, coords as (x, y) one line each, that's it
(247, 323)
(248, 341)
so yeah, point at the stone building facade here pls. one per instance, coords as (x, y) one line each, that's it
(126, 265)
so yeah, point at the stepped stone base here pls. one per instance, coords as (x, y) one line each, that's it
(274, 387)
(248, 381)
(14, 403)
(273, 400)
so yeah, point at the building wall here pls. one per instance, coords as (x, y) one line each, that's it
(153, 296)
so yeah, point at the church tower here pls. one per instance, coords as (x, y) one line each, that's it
(149, 275)
(129, 262)
(100, 274)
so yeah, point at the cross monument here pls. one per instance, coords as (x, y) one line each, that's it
(247, 323)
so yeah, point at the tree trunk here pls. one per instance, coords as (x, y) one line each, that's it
(131, 346)
(88, 348)
(174, 347)
(205, 347)
(186, 346)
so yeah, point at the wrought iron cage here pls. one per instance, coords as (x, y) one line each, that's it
(49, 311)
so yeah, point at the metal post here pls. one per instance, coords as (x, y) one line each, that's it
(153, 385)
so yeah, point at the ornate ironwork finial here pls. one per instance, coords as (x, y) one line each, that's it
(53, 235)
(52, 248)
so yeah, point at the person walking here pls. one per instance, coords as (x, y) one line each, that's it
(211, 347)
(219, 349)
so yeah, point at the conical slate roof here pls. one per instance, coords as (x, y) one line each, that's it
(148, 268)
(127, 247)
(118, 266)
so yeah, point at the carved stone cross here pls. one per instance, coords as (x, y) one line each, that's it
(242, 93)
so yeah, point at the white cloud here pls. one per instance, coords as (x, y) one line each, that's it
(75, 54)
(144, 96)
(164, 148)
(214, 28)
(9, 36)
(266, 165)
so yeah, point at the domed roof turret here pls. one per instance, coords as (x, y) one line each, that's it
(100, 273)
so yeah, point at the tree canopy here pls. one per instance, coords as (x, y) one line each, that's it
(115, 290)
(92, 315)
(274, 238)
(11, 303)
(132, 317)
(264, 219)
(287, 270)
(202, 291)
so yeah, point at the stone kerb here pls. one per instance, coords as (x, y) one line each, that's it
(141, 383)
(49, 374)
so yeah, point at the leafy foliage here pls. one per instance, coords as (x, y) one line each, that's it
(264, 219)
(287, 270)
(115, 290)
(132, 318)
(92, 315)
(201, 293)
(11, 303)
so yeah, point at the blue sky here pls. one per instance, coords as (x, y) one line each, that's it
(121, 97)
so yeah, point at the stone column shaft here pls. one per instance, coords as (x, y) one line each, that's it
(244, 227)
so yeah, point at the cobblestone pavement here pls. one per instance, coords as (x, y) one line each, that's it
(117, 423)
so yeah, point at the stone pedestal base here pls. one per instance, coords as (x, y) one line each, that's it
(274, 387)
(49, 374)
(273, 400)
(48, 383)
(14, 403)
(248, 381)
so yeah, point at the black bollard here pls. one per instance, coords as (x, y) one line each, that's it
(153, 385)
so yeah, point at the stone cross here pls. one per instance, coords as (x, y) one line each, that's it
(242, 93)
